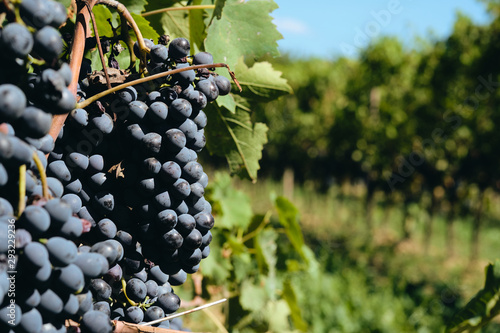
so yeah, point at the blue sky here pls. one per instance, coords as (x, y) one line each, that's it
(340, 27)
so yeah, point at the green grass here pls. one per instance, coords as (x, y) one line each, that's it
(339, 214)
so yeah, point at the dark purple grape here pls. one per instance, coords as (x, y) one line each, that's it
(209, 89)
(136, 290)
(137, 110)
(16, 40)
(200, 120)
(157, 111)
(175, 140)
(128, 94)
(167, 219)
(169, 302)
(153, 313)
(96, 321)
(80, 117)
(172, 239)
(134, 314)
(204, 221)
(48, 43)
(180, 109)
(12, 104)
(223, 84)
(149, 44)
(179, 48)
(36, 13)
(152, 143)
(159, 53)
(203, 58)
(62, 252)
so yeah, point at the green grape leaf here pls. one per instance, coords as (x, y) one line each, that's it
(176, 23)
(244, 28)
(219, 4)
(135, 6)
(265, 251)
(216, 265)
(252, 297)
(235, 205)
(227, 102)
(261, 81)
(66, 3)
(146, 30)
(482, 308)
(236, 137)
(291, 298)
(102, 14)
(289, 217)
(277, 315)
(197, 31)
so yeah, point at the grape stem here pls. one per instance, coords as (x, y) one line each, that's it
(124, 13)
(124, 287)
(76, 56)
(171, 9)
(78, 48)
(43, 176)
(100, 95)
(22, 190)
(99, 46)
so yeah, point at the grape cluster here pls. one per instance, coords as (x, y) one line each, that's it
(125, 217)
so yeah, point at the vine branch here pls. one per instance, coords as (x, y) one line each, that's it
(96, 97)
(76, 56)
(99, 46)
(171, 9)
(124, 13)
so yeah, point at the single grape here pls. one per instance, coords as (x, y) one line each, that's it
(36, 13)
(128, 94)
(203, 58)
(180, 109)
(149, 44)
(159, 53)
(223, 84)
(179, 48)
(48, 43)
(12, 103)
(134, 314)
(31, 322)
(175, 139)
(169, 302)
(209, 89)
(136, 290)
(16, 40)
(96, 322)
(62, 252)
(70, 279)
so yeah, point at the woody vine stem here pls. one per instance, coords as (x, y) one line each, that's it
(84, 15)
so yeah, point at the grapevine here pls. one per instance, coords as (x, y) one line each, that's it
(102, 205)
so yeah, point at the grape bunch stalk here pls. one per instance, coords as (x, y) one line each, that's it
(100, 222)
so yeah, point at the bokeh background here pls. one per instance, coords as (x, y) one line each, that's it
(388, 148)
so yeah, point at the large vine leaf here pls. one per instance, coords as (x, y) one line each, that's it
(261, 81)
(244, 28)
(102, 14)
(197, 31)
(289, 217)
(290, 297)
(135, 6)
(235, 137)
(146, 29)
(235, 207)
(482, 308)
